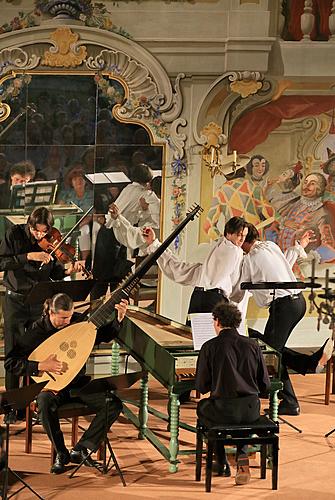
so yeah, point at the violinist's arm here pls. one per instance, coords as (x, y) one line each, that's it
(9, 258)
(42, 257)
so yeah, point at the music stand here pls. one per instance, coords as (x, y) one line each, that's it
(277, 285)
(108, 385)
(78, 290)
(16, 399)
(33, 194)
(108, 178)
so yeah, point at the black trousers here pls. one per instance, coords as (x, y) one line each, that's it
(295, 360)
(48, 404)
(242, 410)
(204, 301)
(17, 316)
(284, 314)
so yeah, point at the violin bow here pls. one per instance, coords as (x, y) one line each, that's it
(60, 243)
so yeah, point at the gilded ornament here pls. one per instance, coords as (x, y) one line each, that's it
(246, 87)
(65, 52)
(212, 131)
(4, 111)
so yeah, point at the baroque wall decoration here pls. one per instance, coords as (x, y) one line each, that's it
(66, 52)
(149, 99)
(92, 14)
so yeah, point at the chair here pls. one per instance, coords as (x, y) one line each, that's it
(148, 285)
(262, 432)
(71, 411)
(75, 410)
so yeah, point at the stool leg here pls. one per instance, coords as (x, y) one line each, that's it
(74, 431)
(275, 446)
(209, 464)
(29, 430)
(198, 457)
(328, 381)
(263, 461)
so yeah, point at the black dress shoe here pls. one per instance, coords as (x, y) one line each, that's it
(221, 469)
(77, 456)
(62, 459)
(288, 410)
(10, 418)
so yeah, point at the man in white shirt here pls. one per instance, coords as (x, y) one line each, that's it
(128, 201)
(215, 277)
(265, 262)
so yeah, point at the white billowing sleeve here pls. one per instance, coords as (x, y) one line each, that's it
(126, 234)
(295, 252)
(238, 295)
(180, 272)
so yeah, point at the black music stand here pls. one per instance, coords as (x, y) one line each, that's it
(108, 385)
(16, 399)
(78, 290)
(33, 194)
(277, 285)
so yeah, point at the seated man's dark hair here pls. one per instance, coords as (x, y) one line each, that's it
(228, 315)
(253, 233)
(140, 173)
(59, 302)
(234, 225)
(24, 167)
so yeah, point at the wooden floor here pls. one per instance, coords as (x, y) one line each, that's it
(307, 460)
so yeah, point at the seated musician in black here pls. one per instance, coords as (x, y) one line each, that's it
(231, 367)
(58, 313)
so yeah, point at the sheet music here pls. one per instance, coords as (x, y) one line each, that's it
(107, 177)
(98, 178)
(202, 329)
(117, 177)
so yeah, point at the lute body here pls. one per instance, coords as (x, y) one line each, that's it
(72, 346)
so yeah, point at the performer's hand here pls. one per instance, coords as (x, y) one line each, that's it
(114, 211)
(306, 238)
(121, 309)
(43, 257)
(51, 364)
(143, 203)
(149, 235)
(75, 267)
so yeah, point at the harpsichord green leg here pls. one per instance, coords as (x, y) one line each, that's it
(174, 431)
(274, 405)
(115, 358)
(143, 409)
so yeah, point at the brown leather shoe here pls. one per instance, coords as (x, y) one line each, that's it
(242, 471)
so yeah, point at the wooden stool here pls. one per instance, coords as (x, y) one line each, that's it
(262, 432)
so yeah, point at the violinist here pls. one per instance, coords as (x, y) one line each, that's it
(20, 259)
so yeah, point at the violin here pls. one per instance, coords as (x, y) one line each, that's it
(54, 244)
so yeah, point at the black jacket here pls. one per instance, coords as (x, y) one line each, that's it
(17, 359)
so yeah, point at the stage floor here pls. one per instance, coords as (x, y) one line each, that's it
(306, 471)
